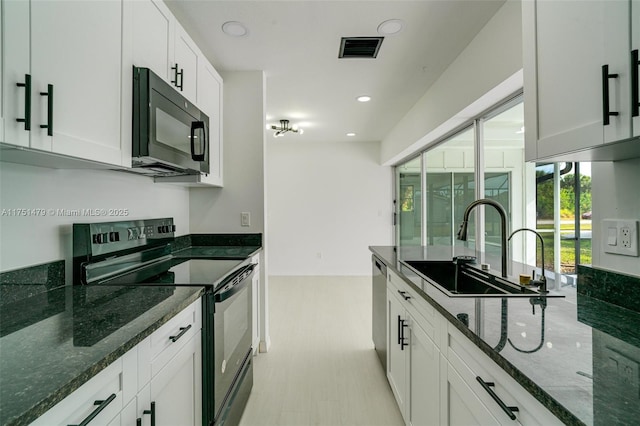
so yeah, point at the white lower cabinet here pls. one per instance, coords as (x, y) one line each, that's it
(463, 405)
(396, 358)
(490, 384)
(158, 382)
(100, 399)
(176, 391)
(413, 363)
(424, 378)
(255, 305)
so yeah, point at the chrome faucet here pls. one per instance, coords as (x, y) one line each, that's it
(542, 282)
(462, 233)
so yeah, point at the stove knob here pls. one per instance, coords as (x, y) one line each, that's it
(95, 238)
(105, 238)
(114, 236)
(159, 229)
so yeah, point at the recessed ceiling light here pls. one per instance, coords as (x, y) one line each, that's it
(390, 27)
(234, 29)
(351, 134)
(363, 98)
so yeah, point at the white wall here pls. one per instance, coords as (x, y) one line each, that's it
(615, 195)
(29, 240)
(491, 64)
(327, 203)
(218, 209)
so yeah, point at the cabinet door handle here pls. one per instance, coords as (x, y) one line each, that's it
(175, 75)
(402, 339)
(635, 84)
(179, 335)
(102, 404)
(178, 77)
(487, 386)
(49, 95)
(605, 95)
(152, 411)
(27, 102)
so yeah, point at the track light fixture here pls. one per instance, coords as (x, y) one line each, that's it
(284, 128)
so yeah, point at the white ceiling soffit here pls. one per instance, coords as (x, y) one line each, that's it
(296, 43)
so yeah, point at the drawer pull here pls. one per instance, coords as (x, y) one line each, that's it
(102, 404)
(487, 386)
(179, 335)
(404, 295)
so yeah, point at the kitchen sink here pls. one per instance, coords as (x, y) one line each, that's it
(466, 281)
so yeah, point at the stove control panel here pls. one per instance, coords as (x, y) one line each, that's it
(93, 239)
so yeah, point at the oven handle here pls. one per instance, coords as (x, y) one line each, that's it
(239, 282)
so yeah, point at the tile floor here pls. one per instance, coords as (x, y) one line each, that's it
(321, 368)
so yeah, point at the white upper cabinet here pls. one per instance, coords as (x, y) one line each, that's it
(152, 30)
(81, 69)
(185, 66)
(162, 45)
(71, 53)
(210, 101)
(577, 65)
(635, 65)
(15, 71)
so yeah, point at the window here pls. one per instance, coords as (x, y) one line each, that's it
(486, 160)
(409, 204)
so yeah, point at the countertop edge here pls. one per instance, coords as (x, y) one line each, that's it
(540, 395)
(67, 389)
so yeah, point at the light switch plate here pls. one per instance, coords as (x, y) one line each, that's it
(245, 219)
(620, 237)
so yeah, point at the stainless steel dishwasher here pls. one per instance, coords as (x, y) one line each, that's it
(379, 310)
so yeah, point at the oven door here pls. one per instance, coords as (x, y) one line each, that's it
(232, 332)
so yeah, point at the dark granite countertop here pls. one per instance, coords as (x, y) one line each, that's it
(586, 367)
(82, 331)
(54, 338)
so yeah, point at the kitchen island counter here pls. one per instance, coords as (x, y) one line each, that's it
(564, 361)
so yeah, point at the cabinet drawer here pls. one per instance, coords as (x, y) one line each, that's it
(105, 386)
(167, 340)
(470, 362)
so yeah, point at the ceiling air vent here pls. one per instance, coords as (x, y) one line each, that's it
(359, 47)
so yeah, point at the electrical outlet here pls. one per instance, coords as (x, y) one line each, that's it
(245, 219)
(620, 237)
(625, 237)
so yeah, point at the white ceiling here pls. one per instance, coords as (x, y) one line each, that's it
(296, 43)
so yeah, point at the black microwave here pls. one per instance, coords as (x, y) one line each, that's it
(170, 134)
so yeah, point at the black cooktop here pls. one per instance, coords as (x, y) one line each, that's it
(180, 272)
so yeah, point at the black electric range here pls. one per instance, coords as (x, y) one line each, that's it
(123, 256)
